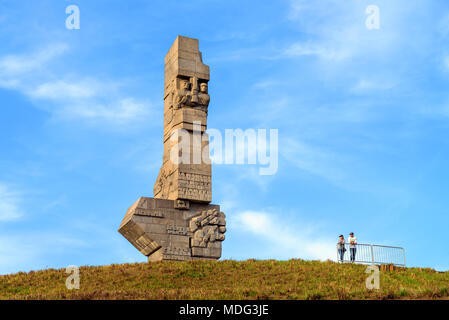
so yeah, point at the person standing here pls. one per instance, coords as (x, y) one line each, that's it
(352, 246)
(341, 248)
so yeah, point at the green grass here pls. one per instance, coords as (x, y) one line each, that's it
(228, 279)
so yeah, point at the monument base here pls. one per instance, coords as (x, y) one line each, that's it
(174, 229)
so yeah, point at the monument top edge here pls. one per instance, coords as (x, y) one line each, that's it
(185, 44)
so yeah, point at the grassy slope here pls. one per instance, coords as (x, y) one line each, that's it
(267, 279)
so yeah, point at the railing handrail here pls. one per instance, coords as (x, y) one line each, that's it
(374, 245)
(370, 255)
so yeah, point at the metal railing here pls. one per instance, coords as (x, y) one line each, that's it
(374, 254)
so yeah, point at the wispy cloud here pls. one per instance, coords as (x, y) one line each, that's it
(335, 31)
(314, 49)
(70, 96)
(267, 83)
(66, 89)
(9, 204)
(12, 65)
(372, 85)
(310, 159)
(446, 63)
(289, 240)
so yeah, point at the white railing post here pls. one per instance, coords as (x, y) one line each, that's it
(372, 255)
(403, 253)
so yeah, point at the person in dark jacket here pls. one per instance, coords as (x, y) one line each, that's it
(341, 248)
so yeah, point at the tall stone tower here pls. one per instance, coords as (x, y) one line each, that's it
(186, 102)
(179, 223)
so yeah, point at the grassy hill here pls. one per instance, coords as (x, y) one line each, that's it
(252, 279)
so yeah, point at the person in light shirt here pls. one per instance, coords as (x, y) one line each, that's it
(352, 246)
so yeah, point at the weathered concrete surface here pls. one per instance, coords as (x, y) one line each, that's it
(162, 232)
(179, 223)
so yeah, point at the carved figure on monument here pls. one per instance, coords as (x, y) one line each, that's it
(179, 223)
(209, 227)
(183, 95)
(203, 97)
(192, 95)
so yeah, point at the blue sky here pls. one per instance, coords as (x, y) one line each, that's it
(363, 120)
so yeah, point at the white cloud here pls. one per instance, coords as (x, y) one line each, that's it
(252, 174)
(446, 62)
(120, 112)
(296, 7)
(322, 163)
(20, 64)
(9, 83)
(372, 85)
(264, 84)
(9, 204)
(319, 50)
(287, 239)
(70, 96)
(335, 31)
(61, 89)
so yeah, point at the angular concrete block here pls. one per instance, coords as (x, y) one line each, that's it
(194, 233)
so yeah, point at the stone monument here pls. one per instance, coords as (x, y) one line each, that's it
(179, 223)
